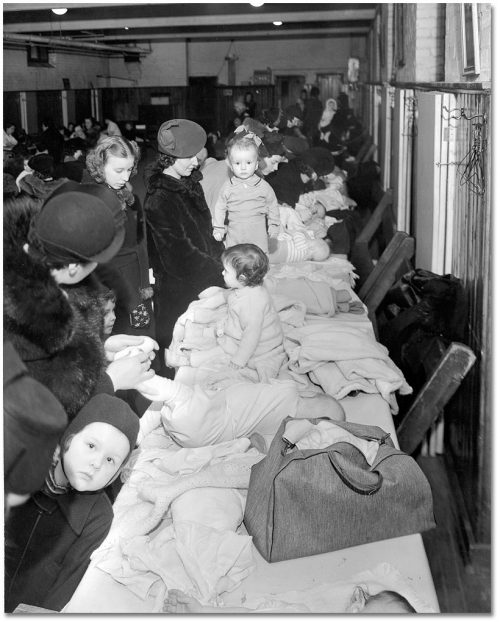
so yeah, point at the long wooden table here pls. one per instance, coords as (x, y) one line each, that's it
(98, 592)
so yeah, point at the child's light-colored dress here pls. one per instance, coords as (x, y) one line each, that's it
(247, 203)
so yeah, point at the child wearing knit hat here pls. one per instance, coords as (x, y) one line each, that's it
(50, 538)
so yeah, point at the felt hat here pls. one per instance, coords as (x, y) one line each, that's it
(274, 143)
(181, 138)
(319, 159)
(252, 125)
(294, 145)
(33, 421)
(79, 223)
(43, 164)
(104, 408)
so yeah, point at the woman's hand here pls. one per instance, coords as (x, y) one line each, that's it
(128, 372)
(116, 343)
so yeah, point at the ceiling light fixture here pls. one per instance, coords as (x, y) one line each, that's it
(278, 23)
(59, 11)
(125, 27)
(256, 2)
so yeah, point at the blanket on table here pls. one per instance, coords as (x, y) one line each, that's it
(172, 530)
(344, 359)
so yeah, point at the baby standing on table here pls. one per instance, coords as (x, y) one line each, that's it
(246, 198)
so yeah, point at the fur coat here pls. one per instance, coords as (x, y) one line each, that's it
(56, 332)
(183, 253)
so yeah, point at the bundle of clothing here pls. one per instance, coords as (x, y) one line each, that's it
(177, 520)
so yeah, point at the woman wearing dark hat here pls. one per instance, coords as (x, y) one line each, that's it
(50, 538)
(40, 182)
(291, 180)
(51, 311)
(183, 253)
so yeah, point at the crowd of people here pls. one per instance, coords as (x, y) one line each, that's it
(84, 325)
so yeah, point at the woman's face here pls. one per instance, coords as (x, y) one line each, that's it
(117, 171)
(270, 164)
(10, 129)
(183, 167)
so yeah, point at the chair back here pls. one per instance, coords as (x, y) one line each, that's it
(445, 368)
(392, 264)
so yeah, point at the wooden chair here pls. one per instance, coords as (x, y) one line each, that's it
(366, 150)
(382, 216)
(445, 368)
(394, 262)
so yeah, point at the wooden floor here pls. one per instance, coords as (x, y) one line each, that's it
(460, 588)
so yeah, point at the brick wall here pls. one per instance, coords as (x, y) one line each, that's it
(419, 42)
(453, 44)
(429, 62)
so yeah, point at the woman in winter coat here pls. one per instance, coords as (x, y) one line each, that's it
(112, 163)
(183, 253)
(52, 314)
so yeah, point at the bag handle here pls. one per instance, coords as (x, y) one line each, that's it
(353, 471)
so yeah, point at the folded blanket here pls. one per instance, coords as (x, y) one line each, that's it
(319, 297)
(330, 270)
(342, 359)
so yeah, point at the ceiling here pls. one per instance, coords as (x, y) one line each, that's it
(138, 24)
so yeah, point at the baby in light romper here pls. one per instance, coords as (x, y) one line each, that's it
(251, 338)
(246, 198)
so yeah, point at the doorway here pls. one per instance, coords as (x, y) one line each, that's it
(288, 89)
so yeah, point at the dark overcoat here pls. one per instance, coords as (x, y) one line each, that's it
(48, 543)
(183, 253)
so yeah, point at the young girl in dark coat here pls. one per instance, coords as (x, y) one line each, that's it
(50, 538)
(183, 253)
(111, 163)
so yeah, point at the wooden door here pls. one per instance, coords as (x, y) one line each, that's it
(288, 89)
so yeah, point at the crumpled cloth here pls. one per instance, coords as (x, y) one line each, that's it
(197, 559)
(196, 547)
(201, 328)
(330, 271)
(342, 359)
(306, 435)
(335, 597)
